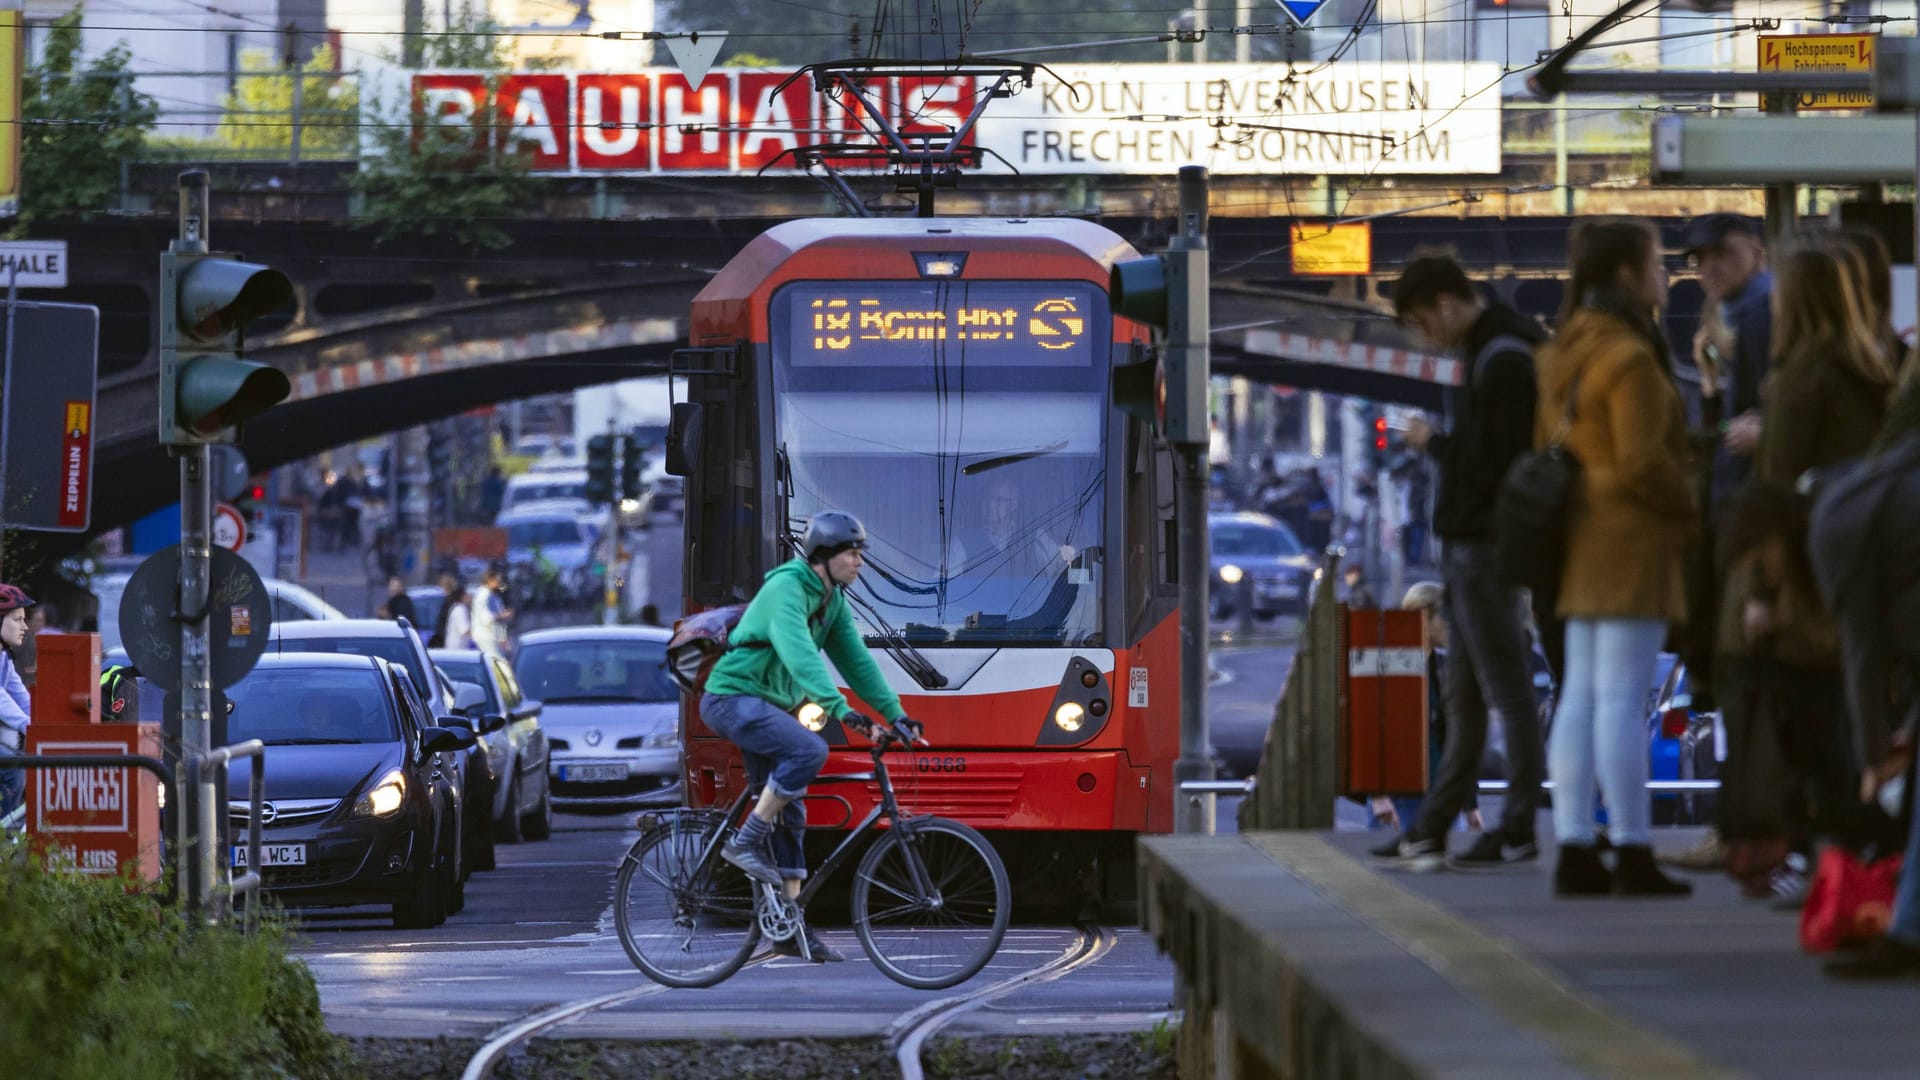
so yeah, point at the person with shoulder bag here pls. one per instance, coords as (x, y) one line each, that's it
(1489, 662)
(1607, 394)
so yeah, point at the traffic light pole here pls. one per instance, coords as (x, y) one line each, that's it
(199, 864)
(1187, 366)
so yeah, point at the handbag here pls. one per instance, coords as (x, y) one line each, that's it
(1850, 901)
(1533, 510)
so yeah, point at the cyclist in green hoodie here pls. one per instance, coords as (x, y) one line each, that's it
(771, 669)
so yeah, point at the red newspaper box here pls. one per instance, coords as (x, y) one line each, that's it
(66, 690)
(98, 820)
(1385, 714)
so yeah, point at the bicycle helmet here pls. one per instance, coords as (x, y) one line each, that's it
(831, 532)
(13, 596)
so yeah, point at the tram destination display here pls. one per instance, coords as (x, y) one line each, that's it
(1037, 323)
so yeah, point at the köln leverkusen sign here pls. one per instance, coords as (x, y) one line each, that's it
(1373, 119)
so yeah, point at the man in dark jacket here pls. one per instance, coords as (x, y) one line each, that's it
(1488, 664)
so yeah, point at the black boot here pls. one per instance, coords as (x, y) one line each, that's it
(1636, 874)
(1580, 872)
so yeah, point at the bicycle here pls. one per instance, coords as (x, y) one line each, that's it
(931, 898)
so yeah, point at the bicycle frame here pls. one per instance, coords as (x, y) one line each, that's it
(888, 808)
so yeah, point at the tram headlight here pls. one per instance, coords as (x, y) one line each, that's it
(1070, 716)
(812, 717)
(1231, 574)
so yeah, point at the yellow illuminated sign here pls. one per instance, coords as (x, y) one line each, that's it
(1333, 249)
(840, 323)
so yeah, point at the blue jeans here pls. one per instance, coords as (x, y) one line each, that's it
(781, 755)
(1600, 728)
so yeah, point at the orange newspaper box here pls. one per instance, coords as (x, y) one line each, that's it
(98, 820)
(1385, 714)
(66, 689)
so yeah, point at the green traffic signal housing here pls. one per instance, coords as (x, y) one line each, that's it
(206, 386)
(1140, 387)
(1167, 291)
(1137, 289)
(630, 466)
(600, 470)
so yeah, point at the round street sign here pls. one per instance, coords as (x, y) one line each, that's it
(239, 614)
(229, 527)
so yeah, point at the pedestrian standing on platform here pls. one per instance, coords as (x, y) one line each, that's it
(1425, 597)
(1824, 401)
(449, 585)
(1608, 394)
(1489, 658)
(490, 614)
(16, 708)
(1731, 353)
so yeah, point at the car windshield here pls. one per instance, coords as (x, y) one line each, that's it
(526, 534)
(397, 649)
(556, 489)
(311, 706)
(964, 424)
(603, 670)
(1233, 538)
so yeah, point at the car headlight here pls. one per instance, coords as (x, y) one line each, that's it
(1069, 716)
(663, 740)
(629, 506)
(812, 717)
(384, 799)
(1231, 574)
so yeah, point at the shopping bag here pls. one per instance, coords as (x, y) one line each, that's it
(1850, 902)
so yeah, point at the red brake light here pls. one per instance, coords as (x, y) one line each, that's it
(1673, 723)
(259, 493)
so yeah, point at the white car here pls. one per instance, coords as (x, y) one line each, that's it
(611, 714)
(292, 602)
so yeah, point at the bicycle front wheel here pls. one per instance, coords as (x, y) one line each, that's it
(931, 903)
(685, 916)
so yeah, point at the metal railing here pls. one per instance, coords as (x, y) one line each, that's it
(251, 881)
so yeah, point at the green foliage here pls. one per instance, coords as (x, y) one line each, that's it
(258, 113)
(1158, 1041)
(104, 983)
(449, 180)
(81, 123)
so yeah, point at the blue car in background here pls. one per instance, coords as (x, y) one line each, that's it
(1681, 745)
(1257, 556)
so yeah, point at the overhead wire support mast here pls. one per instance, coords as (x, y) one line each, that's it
(939, 155)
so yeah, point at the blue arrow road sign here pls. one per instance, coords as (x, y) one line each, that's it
(1301, 10)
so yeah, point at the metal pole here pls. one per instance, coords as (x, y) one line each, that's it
(199, 826)
(1560, 154)
(1242, 41)
(609, 595)
(6, 385)
(1192, 814)
(1781, 214)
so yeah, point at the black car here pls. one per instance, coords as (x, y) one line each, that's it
(361, 806)
(1256, 555)
(448, 704)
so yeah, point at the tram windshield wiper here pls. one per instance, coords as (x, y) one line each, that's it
(1015, 458)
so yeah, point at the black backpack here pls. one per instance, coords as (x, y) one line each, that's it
(1530, 517)
(699, 641)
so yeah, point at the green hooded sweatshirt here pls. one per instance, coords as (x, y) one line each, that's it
(783, 614)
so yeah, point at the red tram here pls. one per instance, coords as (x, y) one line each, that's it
(947, 380)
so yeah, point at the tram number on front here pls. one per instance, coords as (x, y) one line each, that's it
(940, 764)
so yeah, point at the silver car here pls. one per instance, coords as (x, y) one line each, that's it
(611, 714)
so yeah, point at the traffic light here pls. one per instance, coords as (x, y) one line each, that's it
(629, 466)
(1168, 291)
(600, 470)
(206, 387)
(1140, 387)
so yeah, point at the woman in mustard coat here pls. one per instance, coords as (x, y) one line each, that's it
(1607, 391)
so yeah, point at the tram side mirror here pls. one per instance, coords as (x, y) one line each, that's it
(684, 432)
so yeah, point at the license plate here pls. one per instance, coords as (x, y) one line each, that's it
(1278, 592)
(274, 855)
(591, 773)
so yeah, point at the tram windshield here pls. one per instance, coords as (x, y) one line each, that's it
(964, 423)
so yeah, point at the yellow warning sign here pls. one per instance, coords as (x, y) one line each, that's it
(1333, 249)
(1822, 53)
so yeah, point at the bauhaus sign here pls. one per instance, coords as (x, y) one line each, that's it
(1373, 119)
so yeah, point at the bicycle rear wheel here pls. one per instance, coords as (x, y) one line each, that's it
(685, 920)
(931, 903)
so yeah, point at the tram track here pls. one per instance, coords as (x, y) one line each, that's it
(910, 1031)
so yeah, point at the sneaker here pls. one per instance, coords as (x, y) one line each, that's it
(753, 860)
(822, 952)
(1420, 856)
(1709, 854)
(1491, 851)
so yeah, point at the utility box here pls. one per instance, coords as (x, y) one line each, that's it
(66, 688)
(1384, 703)
(96, 820)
